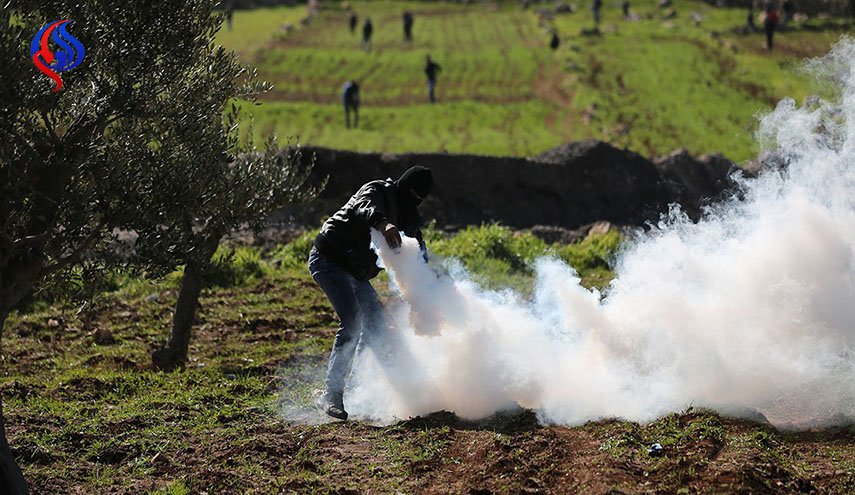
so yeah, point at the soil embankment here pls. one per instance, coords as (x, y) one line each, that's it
(810, 7)
(569, 186)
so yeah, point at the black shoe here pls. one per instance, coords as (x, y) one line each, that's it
(333, 405)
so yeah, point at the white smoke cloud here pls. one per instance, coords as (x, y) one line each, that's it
(752, 308)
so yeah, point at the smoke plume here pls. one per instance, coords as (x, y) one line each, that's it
(752, 308)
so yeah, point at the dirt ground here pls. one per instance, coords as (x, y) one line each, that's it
(86, 415)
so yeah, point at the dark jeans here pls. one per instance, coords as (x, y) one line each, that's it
(431, 88)
(770, 34)
(359, 311)
(350, 107)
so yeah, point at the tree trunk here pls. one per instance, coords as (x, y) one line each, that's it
(174, 355)
(11, 478)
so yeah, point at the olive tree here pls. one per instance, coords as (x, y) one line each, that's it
(238, 195)
(142, 137)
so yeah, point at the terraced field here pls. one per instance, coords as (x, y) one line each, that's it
(650, 84)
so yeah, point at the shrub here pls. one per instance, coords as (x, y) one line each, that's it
(296, 253)
(499, 257)
(594, 252)
(230, 268)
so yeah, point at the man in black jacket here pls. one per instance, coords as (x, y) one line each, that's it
(431, 70)
(342, 262)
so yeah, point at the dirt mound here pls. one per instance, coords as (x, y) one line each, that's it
(695, 182)
(812, 7)
(570, 186)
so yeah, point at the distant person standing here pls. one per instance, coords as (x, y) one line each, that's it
(408, 26)
(596, 8)
(353, 21)
(230, 11)
(787, 11)
(555, 41)
(625, 7)
(432, 69)
(350, 98)
(367, 31)
(750, 20)
(770, 23)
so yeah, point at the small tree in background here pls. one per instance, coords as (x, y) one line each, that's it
(240, 196)
(141, 138)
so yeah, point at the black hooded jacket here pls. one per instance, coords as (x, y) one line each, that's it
(345, 237)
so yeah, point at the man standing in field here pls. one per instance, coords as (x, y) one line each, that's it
(596, 7)
(408, 26)
(350, 98)
(431, 70)
(770, 23)
(352, 21)
(367, 31)
(342, 263)
(787, 10)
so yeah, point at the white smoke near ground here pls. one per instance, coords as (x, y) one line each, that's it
(751, 308)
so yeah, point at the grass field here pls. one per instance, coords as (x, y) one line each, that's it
(87, 415)
(652, 84)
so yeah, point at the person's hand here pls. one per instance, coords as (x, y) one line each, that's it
(391, 233)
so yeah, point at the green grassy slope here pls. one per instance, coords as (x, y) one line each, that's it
(252, 30)
(652, 84)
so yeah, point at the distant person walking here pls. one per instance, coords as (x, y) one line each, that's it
(408, 26)
(367, 31)
(596, 8)
(432, 69)
(353, 21)
(350, 98)
(555, 41)
(625, 7)
(770, 23)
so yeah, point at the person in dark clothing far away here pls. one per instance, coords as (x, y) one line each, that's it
(787, 11)
(596, 7)
(353, 20)
(350, 98)
(750, 20)
(431, 70)
(408, 26)
(342, 263)
(367, 31)
(625, 7)
(771, 23)
(555, 41)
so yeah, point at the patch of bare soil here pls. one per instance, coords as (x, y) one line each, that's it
(441, 454)
(548, 85)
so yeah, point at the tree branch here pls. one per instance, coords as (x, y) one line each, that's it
(75, 256)
(30, 239)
